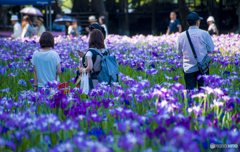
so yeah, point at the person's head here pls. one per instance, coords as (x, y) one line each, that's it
(39, 21)
(210, 20)
(97, 26)
(193, 19)
(173, 15)
(74, 24)
(92, 19)
(14, 19)
(68, 23)
(58, 16)
(26, 20)
(46, 40)
(102, 20)
(96, 39)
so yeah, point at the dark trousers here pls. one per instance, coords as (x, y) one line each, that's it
(191, 80)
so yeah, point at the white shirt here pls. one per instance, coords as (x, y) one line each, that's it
(41, 29)
(213, 27)
(46, 66)
(202, 43)
(105, 28)
(17, 30)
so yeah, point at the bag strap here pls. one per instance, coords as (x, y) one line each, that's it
(190, 42)
(96, 50)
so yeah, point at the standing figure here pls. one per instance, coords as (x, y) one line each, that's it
(174, 24)
(17, 29)
(66, 27)
(57, 27)
(46, 62)
(212, 28)
(92, 61)
(27, 27)
(202, 43)
(102, 22)
(40, 27)
(92, 20)
(74, 29)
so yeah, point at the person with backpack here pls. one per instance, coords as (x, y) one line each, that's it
(97, 61)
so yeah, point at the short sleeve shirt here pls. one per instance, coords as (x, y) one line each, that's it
(173, 26)
(46, 66)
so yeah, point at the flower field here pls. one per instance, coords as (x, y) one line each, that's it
(148, 110)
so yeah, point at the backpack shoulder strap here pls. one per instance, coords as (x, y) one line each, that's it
(93, 50)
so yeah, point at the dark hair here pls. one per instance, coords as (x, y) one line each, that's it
(191, 22)
(96, 39)
(26, 20)
(46, 40)
(103, 19)
(97, 26)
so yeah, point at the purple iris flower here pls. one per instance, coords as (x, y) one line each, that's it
(96, 132)
(53, 84)
(6, 90)
(22, 82)
(7, 143)
(31, 80)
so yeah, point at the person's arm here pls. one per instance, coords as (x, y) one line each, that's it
(89, 67)
(209, 43)
(14, 35)
(179, 28)
(59, 71)
(35, 79)
(70, 30)
(168, 31)
(179, 47)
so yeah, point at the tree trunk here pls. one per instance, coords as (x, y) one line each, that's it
(80, 6)
(153, 17)
(183, 11)
(57, 7)
(3, 15)
(238, 13)
(126, 19)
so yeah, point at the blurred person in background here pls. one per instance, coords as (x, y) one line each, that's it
(56, 27)
(17, 28)
(67, 27)
(102, 22)
(74, 29)
(46, 62)
(40, 28)
(212, 28)
(27, 27)
(92, 20)
(174, 24)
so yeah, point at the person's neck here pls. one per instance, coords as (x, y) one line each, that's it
(46, 49)
(194, 26)
(173, 19)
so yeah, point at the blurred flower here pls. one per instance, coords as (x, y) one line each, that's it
(22, 82)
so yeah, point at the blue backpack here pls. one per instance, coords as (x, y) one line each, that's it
(109, 72)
